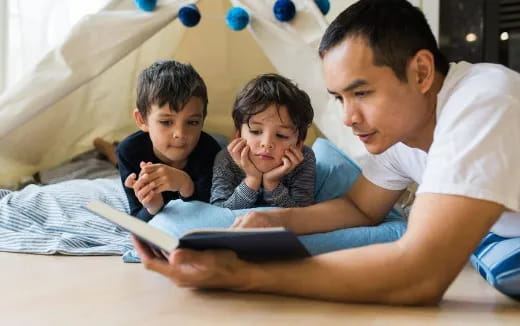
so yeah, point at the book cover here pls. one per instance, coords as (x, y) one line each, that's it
(249, 243)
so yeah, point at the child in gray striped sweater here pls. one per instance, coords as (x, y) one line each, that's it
(267, 163)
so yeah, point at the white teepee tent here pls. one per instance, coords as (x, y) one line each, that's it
(85, 88)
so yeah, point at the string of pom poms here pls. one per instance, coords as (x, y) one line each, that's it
(237, 18)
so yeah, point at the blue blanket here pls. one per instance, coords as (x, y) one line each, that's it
(179, 217)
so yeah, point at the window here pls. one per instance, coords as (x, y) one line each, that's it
(31, 28)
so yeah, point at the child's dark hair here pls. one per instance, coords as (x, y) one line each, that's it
(171, 82)
(272, 89)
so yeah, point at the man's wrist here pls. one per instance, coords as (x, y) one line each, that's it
(254, 278)
(286, 219)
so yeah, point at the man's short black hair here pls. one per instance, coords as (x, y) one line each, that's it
(395, 30)
(171, 82)
(272, 89)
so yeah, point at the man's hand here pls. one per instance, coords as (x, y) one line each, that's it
(292, 157)
(239, 151)
(258, 220)
(200, 269)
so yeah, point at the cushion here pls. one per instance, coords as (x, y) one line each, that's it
(335, 172)
(497, 259)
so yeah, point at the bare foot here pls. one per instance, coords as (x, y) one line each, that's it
(106, 148)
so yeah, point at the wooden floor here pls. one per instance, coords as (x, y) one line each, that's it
(58, 290)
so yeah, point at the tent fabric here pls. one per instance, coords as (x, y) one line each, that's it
(85, 87)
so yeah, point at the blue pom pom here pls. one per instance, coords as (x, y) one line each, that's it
(324, 5)
(146, 5)
(284, 10)
(189, 15)
(237, 18)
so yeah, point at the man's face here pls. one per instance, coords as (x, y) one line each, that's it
(174, 135)
(380, 109)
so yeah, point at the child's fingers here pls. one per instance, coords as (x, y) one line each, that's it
(299, 153)
(130, 181)
(239, 146)
(141, 182)
(292, 157)
(155, 177)
(150, 169)
(232, 144)
(145, 192)
(244, 155)
(148, 198)
(286, 163)
(161, 186)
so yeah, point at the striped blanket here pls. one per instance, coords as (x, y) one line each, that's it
(51, 219)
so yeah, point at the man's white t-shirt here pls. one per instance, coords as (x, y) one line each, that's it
(476, 144)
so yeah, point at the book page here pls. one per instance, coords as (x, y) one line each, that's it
(141, 229)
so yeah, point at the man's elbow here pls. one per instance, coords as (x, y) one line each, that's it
(426, 292)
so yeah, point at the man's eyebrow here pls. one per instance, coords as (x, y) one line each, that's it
(355, 84)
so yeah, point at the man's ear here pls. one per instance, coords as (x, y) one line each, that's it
(139, 120)
(423, 70)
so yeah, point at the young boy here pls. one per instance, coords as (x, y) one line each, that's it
(267, 164)
(170, 157)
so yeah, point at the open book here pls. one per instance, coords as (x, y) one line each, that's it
(249, 243)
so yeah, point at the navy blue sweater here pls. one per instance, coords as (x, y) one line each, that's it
(138, 147)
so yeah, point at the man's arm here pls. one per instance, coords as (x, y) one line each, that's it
(364, 204)
(417, 269)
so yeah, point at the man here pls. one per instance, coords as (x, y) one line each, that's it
(446, 127)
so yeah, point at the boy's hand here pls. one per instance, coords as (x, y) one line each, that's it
(239, 151)
(293, 156)
(167, 178)
(151, 200)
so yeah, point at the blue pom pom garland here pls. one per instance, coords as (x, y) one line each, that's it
(146, 5)
(237, 18)
(189, 15)
(324, 5)
(284, 10)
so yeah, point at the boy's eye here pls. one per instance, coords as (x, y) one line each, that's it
(338, 98)
(255, 132)
(194, 123)
(282, 136)
(166, 122)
